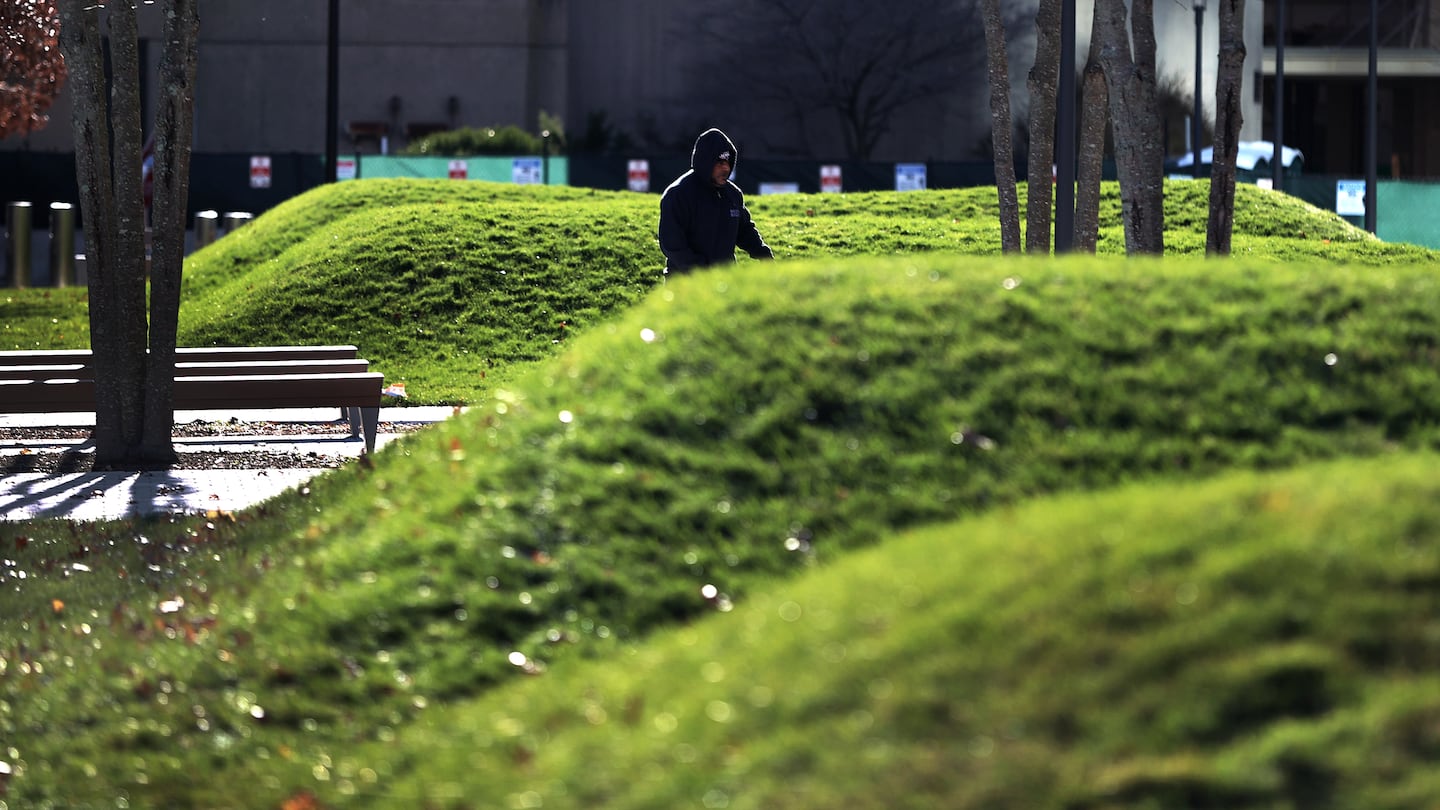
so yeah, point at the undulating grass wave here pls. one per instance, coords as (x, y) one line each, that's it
(778, 535)
(690, 454)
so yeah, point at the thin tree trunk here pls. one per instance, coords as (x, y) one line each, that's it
(82, 45)
(173, 135)
(128, 431)
(1091, 164)
(127, 325)
(1135, 120)
(1150, 127)
(1229, 78)
(1001, 126)
(1042, 81)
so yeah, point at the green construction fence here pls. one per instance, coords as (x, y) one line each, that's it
(528, 169)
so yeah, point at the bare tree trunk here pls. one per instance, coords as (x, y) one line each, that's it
(1229, 79)
(1135, 119)
(1091, 164)
(173, 137)
(126, 326)
(1044, 77)
(84, 56)
(1001, 126)
(133, 423)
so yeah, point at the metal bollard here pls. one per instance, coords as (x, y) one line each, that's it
(234, 219)
(62, 244)
(205, 222)
(17, 222)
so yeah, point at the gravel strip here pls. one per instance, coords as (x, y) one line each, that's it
(80, 461)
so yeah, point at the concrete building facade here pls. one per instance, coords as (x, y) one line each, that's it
(411, 67)
(407, 68)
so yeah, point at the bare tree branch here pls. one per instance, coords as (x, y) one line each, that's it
(847, 64)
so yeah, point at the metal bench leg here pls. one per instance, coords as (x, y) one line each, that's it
(352, 415)
(371, 419)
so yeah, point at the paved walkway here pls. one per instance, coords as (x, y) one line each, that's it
(109, 495)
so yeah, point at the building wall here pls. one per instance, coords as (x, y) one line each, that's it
(261, 85)
(261, 82)
(465, 62)
(627, 62)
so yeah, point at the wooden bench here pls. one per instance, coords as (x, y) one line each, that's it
(61, 381)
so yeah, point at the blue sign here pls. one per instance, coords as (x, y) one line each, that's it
(527, 171)
(909, 176)
(1350, 198)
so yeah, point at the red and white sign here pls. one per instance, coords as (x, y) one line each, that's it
(346, 168)
(639, 175)
(260, 171)
(459, 170)
(830, 179)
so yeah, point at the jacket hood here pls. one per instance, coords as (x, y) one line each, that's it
(713, 146)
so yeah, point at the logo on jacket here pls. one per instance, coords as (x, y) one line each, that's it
(725, 156)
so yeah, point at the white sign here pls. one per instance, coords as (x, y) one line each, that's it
(1350, 198)
(779, 188)
(459, 170)
(346, 168)
(639, 171)
(830, 179)
(527, 171)
(909, 176)
(260, 171)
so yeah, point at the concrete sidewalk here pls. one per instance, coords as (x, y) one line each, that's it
(112, 495)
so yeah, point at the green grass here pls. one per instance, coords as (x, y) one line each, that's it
(449, 286)
(849, 460)
(40, 319)
(1253, 641)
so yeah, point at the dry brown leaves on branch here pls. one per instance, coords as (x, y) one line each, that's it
(32, 70)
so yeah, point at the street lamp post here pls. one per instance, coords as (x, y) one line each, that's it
(1278, 158)
(1196, 128)
(1372, 115)
(1065, 139)
(332, 89)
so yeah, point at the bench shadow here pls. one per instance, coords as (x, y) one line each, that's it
(60, 493)
(55, 497)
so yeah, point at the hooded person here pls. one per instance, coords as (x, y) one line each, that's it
(703, 217)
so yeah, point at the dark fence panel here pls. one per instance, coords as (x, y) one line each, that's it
(219, 182)
(609, 172)
(38, 178)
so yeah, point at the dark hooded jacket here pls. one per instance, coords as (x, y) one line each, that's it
(700, 223)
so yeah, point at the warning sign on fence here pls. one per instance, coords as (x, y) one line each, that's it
(527, 171)
(639, 175)
(260, 171)
(909, 176)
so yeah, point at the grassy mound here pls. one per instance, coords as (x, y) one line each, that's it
(673, 461)
(451, 286)
(1250, 642)
(438, 296)
(446, 284)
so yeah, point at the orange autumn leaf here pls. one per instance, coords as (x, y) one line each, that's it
(57, 605)
(304, 800)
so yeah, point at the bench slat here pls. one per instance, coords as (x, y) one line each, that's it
(359, 393)
(252, 390)
(187, 368)
(205, 354)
